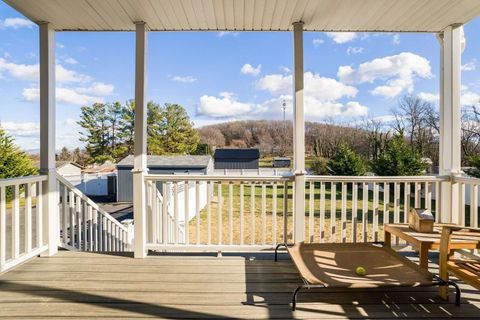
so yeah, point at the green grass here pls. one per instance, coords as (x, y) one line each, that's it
(266, 222)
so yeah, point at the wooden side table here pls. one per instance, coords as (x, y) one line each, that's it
(425, 241)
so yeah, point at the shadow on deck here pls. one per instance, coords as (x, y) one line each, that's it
(89, 285)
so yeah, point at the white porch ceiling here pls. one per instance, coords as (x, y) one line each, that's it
(250, 15)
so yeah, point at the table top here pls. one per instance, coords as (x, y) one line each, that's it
(459, 240)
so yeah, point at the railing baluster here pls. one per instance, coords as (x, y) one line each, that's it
(219, 207)
(285, 212)
(95, 229)
(209, 212)
(461, 202)
(364, 212)
(474, 205)
(406, 202)
(28, 217)
(16, 222)
(274, 214)
(375, 211)
(165, 213)
(354, 211)
(417, 196)
(197, 212)
(175, 212)
(264, 214)
(242, 213)
(90, 229)
(252, 213)
(3, 227)
(322, 212)
(230, 213)
(65, 215)
(152, 196)
(344, 212)
(386, 202)
(311, 209)
(39, 210)
(85, 225)
(333, 211)
(186, 218)
(428, 196)
(396, 203)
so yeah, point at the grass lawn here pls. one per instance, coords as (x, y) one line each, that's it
(266, 222)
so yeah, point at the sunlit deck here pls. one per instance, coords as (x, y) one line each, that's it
(89, 285)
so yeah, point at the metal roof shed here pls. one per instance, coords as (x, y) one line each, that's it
(236, 158)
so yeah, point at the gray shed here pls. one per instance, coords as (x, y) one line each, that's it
(236, 158)
(159, 165)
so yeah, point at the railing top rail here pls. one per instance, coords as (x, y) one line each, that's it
(378, 178)
(21, 180)
(90, 202)
(228, 178)
(469, 180)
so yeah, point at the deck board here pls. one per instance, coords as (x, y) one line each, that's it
(92, 285)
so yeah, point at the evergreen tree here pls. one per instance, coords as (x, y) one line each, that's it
(13, 162)
(64, 155)
(346, 162)
(95, 121)
(398, 159)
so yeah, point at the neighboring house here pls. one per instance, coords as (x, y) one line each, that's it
(100, 180)
(236, 158)
(281, 162)
(68, 168)
(190, 164)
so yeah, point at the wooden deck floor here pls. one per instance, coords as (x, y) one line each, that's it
(89, 285)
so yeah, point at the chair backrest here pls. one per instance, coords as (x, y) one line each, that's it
(445, 243)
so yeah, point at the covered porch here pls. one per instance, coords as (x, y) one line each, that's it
(247, 214)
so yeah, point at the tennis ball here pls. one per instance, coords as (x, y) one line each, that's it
(360, 271)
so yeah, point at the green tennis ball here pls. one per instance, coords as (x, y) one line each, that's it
(360, 271)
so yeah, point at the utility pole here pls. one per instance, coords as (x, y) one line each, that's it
(284, 107)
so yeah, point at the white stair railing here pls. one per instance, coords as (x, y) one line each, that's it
(21, 220)
(84, 226)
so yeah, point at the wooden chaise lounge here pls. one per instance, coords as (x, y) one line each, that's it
(333, 265)
(466, 269)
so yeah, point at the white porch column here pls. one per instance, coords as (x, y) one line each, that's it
(140, 142)
(298, 136)
(450, 122)
(47, 137)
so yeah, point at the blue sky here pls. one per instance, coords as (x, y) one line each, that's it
(221, 76)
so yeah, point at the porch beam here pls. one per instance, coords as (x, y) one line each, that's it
(140, 142)
(298, 135)
(450, 123)
(47, 137)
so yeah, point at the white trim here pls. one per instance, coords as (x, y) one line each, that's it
(12, 263)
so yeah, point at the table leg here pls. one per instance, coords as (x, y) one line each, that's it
(423, 255)
(387, 239)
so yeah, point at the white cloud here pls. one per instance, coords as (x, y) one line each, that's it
(225, 106)
(354, 50)
(98, 89)
(70, 60)
(469, 66)
(60, 45)
(186, 79)
(63, 95)
(399, 72)
(21, 129)
(222, 34)
(317, 42)
(342, 37)
(30, 72)
(321, 88)
(251, 70)
(285, 69)
(396, 38)
(16, 23)
(429, 97)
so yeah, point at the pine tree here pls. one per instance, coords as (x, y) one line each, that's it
(346, 162)
(13, 162)
(398, 159)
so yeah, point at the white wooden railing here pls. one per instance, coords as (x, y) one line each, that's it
(351, 209)
(21, 220)
(468, 189)
(217, 212)
(84, 226)
(337, 209)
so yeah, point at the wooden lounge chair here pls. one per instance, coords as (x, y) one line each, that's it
(467, 269)
(333, 265)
